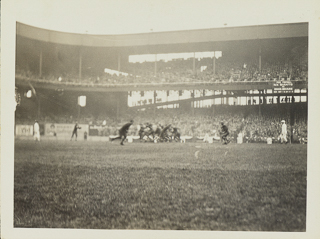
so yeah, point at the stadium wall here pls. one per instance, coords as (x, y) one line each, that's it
(230, 86)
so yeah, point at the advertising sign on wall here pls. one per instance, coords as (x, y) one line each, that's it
(24, 130)
(65, 130)
(100, 130)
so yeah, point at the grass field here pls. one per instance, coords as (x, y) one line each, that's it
(102, 185)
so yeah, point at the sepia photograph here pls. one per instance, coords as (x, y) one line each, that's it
(165, 118)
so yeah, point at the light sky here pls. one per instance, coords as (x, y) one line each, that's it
(139, 16)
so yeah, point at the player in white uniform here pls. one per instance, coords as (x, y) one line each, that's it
(36, 131)
(283, 135)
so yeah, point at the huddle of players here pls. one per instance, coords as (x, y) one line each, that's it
(147, 131)
(224, 132)
(161, 132)
(124, 131)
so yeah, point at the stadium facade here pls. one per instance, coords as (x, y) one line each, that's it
(41, 53)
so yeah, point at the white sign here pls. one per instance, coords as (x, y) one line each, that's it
(283, 87)
(25, 130)
(82, 100)
(65, 130)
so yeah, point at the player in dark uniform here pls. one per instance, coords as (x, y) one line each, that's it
(123, 132)
(224, 132)
(149, 131)
(164, 133)
(158, 130)
(141, 131)
(75, 131)
(176, 134)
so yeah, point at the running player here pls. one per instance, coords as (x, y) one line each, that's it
(75, 131)
(123, 132)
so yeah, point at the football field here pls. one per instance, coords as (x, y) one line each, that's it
(172, 186)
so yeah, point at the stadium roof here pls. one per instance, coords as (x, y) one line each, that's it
(172, 38)
(105, 51)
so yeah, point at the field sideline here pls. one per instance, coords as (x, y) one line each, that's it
(191, 186)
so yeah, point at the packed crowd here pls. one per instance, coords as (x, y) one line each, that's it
(181, 71)
(226, 70)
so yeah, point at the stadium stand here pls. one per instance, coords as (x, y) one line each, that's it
(180, 71)
(57, 66)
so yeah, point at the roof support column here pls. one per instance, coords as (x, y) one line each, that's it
(155, 65)
(79, 112)
(259, 101)
(307, 98)
(118, 106)
(228, 97)
(39, 106)
(214, 65)
(194, 63)
(80, 64)
(154, 102)
(213, 103)
(119, 61)
(192, 102)
(260, 58)
(40, 63)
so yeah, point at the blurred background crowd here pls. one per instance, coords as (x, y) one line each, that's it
(182, 71)
(254, 127)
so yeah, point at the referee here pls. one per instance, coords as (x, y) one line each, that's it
(75, 131)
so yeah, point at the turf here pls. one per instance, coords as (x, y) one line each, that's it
(102, 185)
